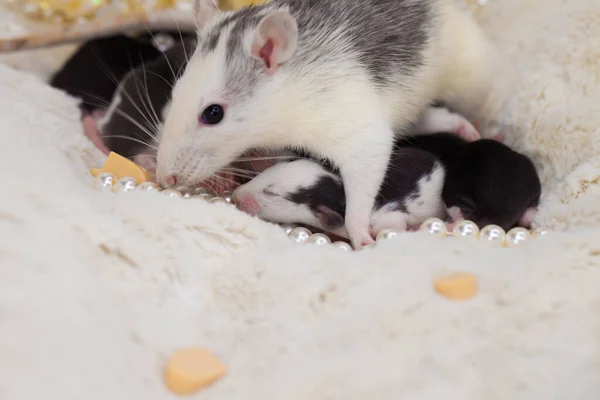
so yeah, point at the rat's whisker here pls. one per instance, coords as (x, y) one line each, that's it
(149, 108)
(117, 82)
(187, 59)
(241, 159)
(164, 55)
(129, 118)
(132, 139)
(145, 130)
(149, 119)
(134, 103)
(240, 170)
(235, 183)
(236, 174)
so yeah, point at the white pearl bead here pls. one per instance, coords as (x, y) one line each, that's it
(218, 200)
(386, 234)
(319, 239)
(203, 196)
(148, 187)
(104, 181)
(299, 234)
(434, 226)
(201, 190)
(172, 193)
(517, 236)
(465, 228)
(492, 234)
(185, 191)
(124, 185)
(539, 232)
(287, 228)
(228, 196)
(342, 246)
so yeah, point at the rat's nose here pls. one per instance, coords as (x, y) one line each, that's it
(172, 180)
(246, 202)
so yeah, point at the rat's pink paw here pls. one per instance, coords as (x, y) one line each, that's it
(527, 218)
(455, 214)
(363, 240)
(146, 160)
(498, 138)
(90, 130)
(468, 132)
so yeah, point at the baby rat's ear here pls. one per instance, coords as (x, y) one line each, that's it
(205, 11)
(275, 39)
(330, 219)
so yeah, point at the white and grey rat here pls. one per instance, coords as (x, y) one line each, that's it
(305, 191)
(336, 78)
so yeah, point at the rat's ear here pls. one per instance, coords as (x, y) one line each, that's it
(275, 39)
(205, 11)
(330, 219)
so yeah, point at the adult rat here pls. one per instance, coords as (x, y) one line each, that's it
(335, 78)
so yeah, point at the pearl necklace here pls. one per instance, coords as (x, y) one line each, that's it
(491, 234)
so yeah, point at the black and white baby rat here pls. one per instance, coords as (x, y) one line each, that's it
(337, 78)
(131, 124)
(93, 72)
(486, 181)
(306, 191)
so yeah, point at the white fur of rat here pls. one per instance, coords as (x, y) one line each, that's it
(304, 191)
(333, 77)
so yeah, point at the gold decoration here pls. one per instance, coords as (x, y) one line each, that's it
(70, 11)
(59, 10)
(42, 23)
(230, 5)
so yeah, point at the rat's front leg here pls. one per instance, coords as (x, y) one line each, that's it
(363, 173)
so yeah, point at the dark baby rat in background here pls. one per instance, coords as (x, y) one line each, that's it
(337, 78)
(135, 72)
(131, 124)
(486, 181)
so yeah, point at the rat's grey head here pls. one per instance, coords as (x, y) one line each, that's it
(299, 191)
(227, 99)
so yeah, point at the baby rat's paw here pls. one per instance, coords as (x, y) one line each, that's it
(467, 131)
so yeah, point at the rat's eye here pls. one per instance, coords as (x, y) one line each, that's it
(212, 114)
(269, 192)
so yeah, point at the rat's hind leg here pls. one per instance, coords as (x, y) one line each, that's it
(468, 61)
(440, 119)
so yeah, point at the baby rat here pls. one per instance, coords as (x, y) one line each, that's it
(92, 73)
(336, 78)
(306, 191)
(131, 124)
(486, 181)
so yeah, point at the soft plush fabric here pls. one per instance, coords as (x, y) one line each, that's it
(97, 290)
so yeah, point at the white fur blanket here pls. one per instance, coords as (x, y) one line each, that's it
(97, 290)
